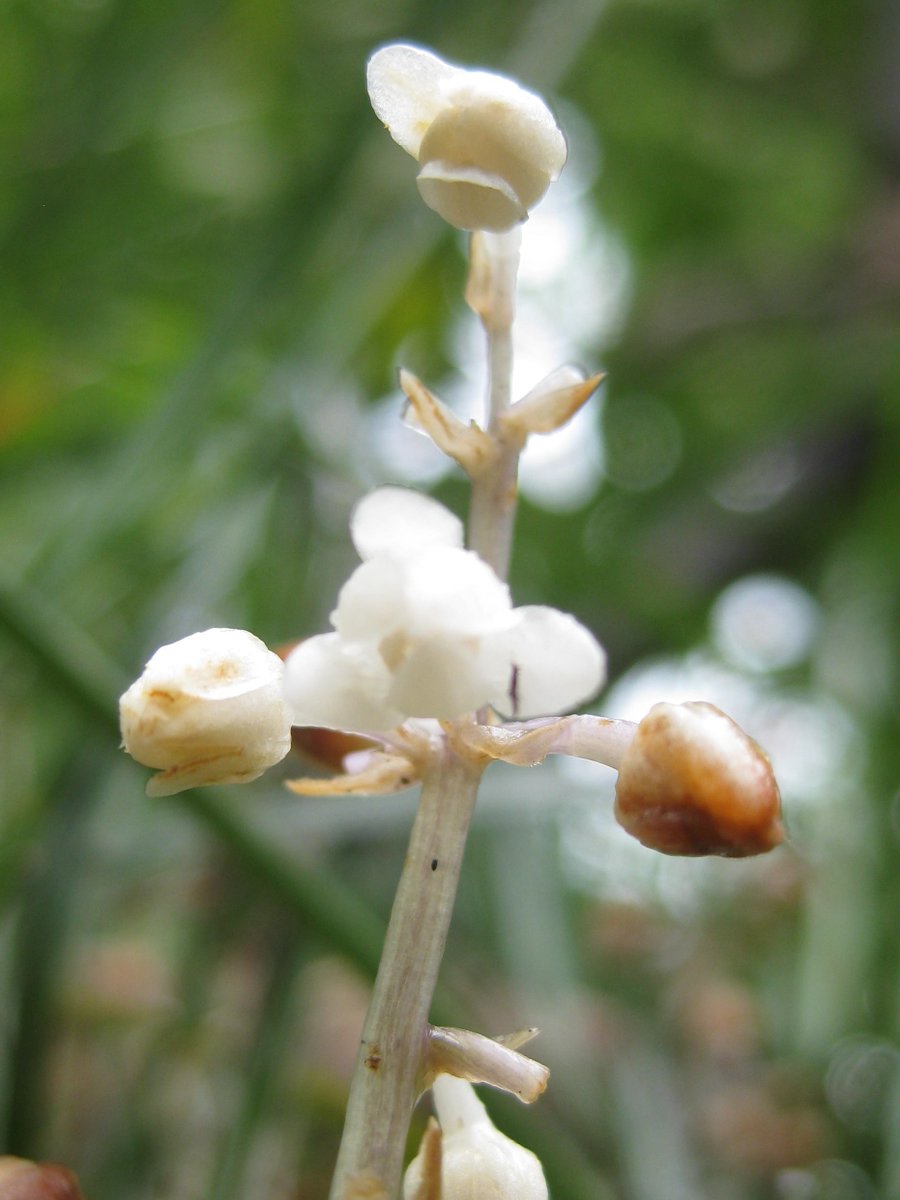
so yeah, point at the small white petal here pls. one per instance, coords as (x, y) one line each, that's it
(338, 685)
(406, 87)
(207, 709)
(215, 664)
(445, 677)
(469, 197)
(558, 663)
(488, 152)
(400, 522)
(372, 603)
(454, 593)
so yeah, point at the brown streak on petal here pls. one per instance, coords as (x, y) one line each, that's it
(430, 1187)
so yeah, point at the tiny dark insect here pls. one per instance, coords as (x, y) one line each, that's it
(514, 690)
(434, 864)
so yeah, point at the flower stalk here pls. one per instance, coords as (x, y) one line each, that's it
(491, 294)
(391, 1063)
(393, 1058)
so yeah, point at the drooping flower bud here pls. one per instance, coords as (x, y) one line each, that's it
(477, 1161)
(207, 709)
(692, 782)
(488, 149)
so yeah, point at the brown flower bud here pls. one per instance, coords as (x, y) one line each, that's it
(328, 747)
(21, 1179)
(692, 782)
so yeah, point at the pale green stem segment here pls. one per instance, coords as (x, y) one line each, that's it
(390, 1067)
(491, 293)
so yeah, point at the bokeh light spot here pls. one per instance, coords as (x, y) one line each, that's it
(643, 442)
(764, 623)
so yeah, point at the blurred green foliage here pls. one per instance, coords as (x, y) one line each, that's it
(214, 260)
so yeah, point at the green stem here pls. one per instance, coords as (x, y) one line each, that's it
(492, 511)
(389, 1068)
(390, 1063)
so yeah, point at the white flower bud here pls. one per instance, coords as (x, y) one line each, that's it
(488, 149)
(478, 1162)
(207, 709)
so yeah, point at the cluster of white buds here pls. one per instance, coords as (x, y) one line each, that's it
(487, 148)
(218, 706)
(424, 628)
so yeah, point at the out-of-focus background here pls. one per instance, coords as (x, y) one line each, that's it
(214, 260)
